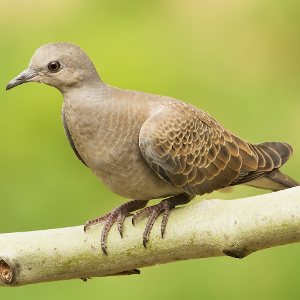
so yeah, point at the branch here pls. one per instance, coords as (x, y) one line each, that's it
(207, 229)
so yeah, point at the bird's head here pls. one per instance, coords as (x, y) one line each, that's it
(61, 65)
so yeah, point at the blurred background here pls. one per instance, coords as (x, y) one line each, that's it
(237, 60)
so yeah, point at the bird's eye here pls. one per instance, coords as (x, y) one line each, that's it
(54, 66)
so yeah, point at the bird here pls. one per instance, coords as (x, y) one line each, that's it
(143, 146)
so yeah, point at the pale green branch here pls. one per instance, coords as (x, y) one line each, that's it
(206, 229)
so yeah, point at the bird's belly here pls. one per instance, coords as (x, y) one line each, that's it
(126, 173)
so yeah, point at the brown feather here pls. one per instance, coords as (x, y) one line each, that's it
(195, 152)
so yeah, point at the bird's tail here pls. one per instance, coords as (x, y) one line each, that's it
(272, 155)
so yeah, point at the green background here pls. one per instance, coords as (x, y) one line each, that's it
(237, 60)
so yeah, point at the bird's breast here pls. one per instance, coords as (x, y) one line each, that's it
(107, 138)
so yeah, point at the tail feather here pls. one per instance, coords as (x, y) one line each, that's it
(271, 156)
(274, 181)
(282, 179)
(285, 150)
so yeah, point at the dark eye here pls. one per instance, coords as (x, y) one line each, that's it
(54, 66)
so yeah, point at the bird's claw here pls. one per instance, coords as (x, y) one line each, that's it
(119, 213)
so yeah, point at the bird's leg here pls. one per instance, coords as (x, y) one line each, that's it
(119, 213)
(153, 211)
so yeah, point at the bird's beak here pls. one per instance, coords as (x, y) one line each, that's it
(23, 77)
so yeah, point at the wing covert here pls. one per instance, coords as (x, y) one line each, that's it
(186, 146)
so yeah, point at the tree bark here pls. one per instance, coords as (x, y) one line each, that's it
(210, 228)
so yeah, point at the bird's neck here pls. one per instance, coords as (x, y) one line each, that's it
(86, 94)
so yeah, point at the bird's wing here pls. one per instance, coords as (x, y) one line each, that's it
(68, 135)
(189, 148)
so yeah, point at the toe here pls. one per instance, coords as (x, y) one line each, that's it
(140, 213)
(120, 221)
(164, 221)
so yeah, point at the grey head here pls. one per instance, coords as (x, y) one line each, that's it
(61, 65)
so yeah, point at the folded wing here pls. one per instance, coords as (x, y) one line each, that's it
(189, 148)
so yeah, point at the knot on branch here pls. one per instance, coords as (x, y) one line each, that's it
(237, 253)
(6, 272)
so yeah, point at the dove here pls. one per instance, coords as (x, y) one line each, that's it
(143, 146)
